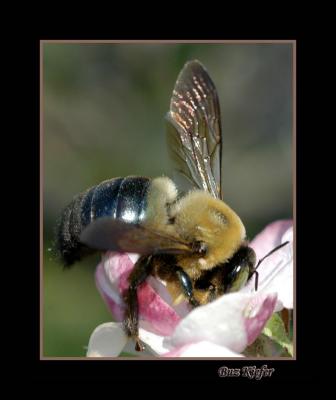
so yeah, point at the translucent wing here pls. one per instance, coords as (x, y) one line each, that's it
(194, 128)
(117, 235)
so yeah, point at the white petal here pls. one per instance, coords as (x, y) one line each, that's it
(276, 273)
(223, 322)
(130, 349)
(219, 322)
(134, 257)
(202, 349)
(153, 342)
(107, 340)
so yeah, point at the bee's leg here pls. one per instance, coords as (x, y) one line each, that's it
(140, 272)
(165, 268)
(212, 294)
(209, 286)
(186, 285)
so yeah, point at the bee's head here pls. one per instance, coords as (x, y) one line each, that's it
(242, 266)
(239, 269)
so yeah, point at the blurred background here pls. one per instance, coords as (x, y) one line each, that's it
(103, 112)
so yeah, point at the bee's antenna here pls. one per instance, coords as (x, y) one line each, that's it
(255, 272)
(272, 251)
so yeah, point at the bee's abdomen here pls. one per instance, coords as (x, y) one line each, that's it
(118, 198)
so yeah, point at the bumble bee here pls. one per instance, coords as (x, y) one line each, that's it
(194, 242)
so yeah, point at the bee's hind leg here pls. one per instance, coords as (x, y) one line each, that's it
(140, 272)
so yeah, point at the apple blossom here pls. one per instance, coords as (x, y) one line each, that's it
(222, 328)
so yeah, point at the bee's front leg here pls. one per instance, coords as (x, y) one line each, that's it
(141, 270)
(179, 283)
(186, 285)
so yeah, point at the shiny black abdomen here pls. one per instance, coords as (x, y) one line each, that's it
(118, 198)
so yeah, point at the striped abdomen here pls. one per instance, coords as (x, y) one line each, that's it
(119, 198)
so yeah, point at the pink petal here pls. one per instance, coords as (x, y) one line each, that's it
(112, 282)
(153, 309)
(201, 349)
(261, 310)
(228, 321)
(117, 266)
(182, 309)
(270, 237)
(109, 293)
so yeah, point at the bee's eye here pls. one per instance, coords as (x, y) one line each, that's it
(237, 278)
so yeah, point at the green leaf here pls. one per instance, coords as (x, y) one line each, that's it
(275, 330)
(264, 346)
(125, 354)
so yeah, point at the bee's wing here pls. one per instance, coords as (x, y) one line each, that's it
(117, 235)
(194, 128)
